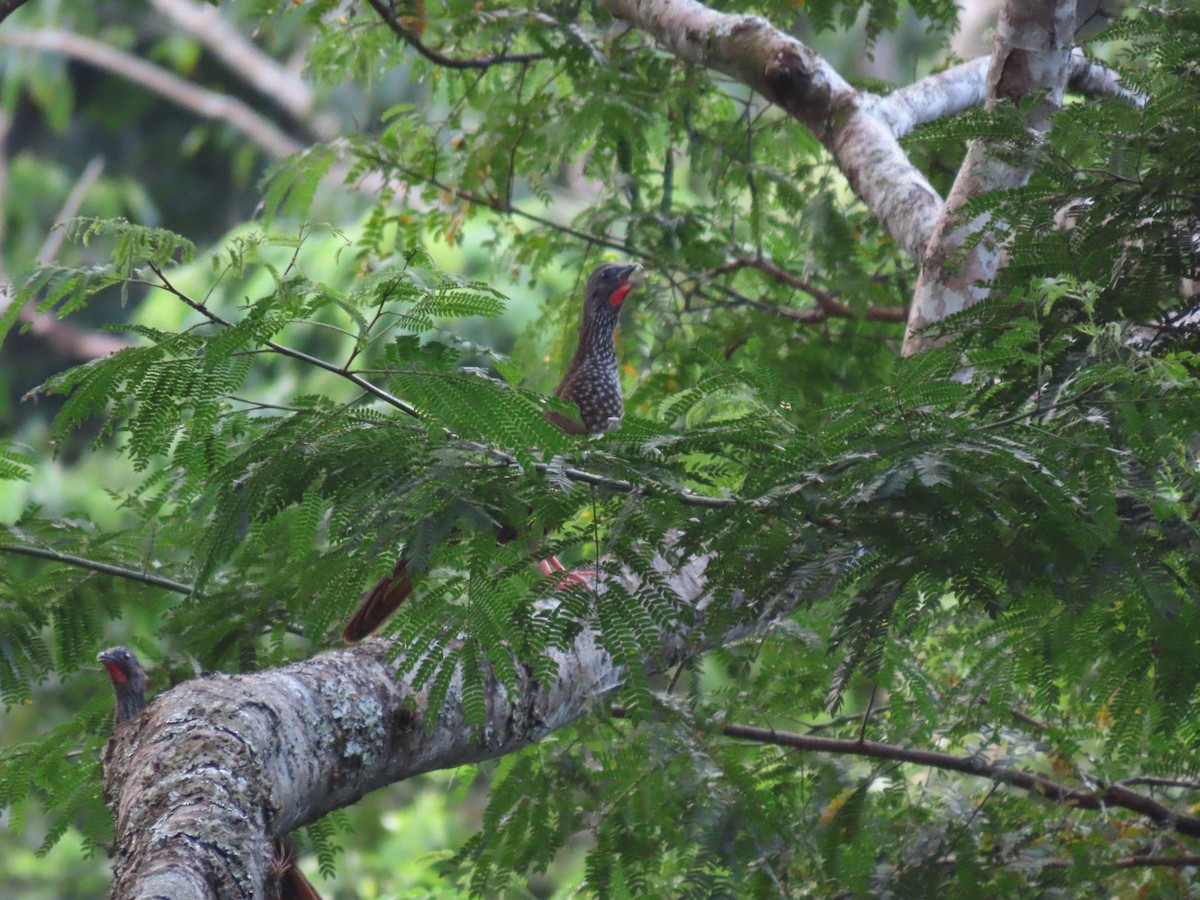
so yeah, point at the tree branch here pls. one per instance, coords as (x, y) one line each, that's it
(262, 131)
(794, 77)
(96, 566)
(283, 350)
(385, 12)
(828, 306)
(964, 87)
(976, 766)
(1031, 55)
(214, 768)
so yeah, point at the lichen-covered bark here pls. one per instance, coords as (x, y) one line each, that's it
(1031, 56)
(1032, 52)
(791, 75)
(215, 768)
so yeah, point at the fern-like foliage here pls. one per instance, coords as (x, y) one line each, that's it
(990, 548)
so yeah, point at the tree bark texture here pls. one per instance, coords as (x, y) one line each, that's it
(794, 77)
(1032, 55)
(216, 767)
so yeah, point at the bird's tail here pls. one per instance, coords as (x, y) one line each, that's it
(379, 602)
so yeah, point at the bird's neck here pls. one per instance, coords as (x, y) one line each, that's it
(131, 700)
(597, 342)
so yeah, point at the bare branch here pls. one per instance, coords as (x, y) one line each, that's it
(978, 767)
(410, 37)
(96, 566)
(283, 747)
(262, 131)
(828, 305)
(1089, 77)
(964, 87)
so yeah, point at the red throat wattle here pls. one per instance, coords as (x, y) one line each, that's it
(618, 296)
(115, 673)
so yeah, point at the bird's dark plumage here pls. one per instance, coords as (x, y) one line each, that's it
(593, 382)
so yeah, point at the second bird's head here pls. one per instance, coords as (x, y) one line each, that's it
(607, 288)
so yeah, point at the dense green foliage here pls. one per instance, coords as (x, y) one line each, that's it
(989, 549)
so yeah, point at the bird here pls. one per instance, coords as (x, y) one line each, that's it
(129, 684)
(128, 680)
(592, 382)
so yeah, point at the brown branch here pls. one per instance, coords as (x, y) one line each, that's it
(96, 566)
(975, 766)
(300, 355)
(384, 10)
(1158, 781)
(827, 304)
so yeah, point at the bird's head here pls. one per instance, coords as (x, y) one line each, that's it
(607, 288)
(128, 680)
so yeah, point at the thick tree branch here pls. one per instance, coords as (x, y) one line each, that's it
(1031, 55)
(791, 75)
(215, 767)
(964, 87)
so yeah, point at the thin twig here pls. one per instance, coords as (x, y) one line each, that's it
(1114, 795)
(384, 10)
(97, 566)
(828, 305)
(353, 377)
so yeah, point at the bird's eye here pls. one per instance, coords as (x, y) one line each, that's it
(607, 274)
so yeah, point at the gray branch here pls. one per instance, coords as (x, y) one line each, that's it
(1032, 54)
(797, 79)
(216, 767)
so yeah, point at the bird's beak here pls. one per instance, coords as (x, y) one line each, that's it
(624, 273)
